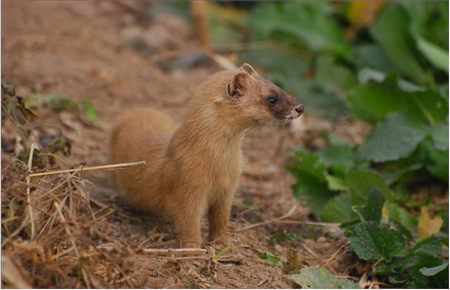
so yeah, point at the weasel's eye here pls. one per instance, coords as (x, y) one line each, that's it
(272, 100)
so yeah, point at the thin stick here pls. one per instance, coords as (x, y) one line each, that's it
(28, 180)
(89, 168)
(310, 251)
(323, 224)
(329, 260)
(176, 252)
(289, 213)
(72, 240)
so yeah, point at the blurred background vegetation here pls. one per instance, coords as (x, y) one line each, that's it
(381, 62)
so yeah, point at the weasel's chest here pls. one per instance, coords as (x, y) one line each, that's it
(224, 176)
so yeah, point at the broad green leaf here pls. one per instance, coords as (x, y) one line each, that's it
(362, 181)
(436, 160)
(321, 278)
(430, 19)
(338, 209)
(307, 21)
(431, 271)
(372, 102)
(371, 211)
(372, 241)
(439, 134)
(342, 156)
(391, 31)
(311, 186)
(429, 265)
(400, 215)
(436, 55)
(395, 137)
(430, 246)
(271, 259)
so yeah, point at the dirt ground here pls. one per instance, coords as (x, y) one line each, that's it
(105, 53)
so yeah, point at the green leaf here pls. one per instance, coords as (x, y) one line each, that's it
(395, 137)
(89, 111)
(308, 22)
(335, 183)
(338, 209)
(271, 259)
(436, 160)
(430, 19)
(429, 265)
(342, 156)
(431, 271)
(362, 181)
(430, 246)
(402, 216)
(372, 102)
(311, 187)
(439, 134)
(371, 211)
(391, 31)
(436, 55)
(372, 241)
(321, 278)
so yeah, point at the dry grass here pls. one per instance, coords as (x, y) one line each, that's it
(51, 240)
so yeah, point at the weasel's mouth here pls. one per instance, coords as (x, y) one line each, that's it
(293, 115)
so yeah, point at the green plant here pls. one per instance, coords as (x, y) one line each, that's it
(393, 250)
(393, 75)
(61, 103)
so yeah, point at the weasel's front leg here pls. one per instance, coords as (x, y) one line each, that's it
(219, 216)
(187, 217)
(187, 225)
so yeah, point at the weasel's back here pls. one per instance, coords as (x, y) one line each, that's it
(139, 134)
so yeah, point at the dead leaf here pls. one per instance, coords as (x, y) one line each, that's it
(361, 14)
(428, 226)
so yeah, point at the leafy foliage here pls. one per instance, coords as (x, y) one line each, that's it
(398, 256)
(392, 73)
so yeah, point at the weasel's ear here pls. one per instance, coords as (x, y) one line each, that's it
(249, 69)
(237, 86)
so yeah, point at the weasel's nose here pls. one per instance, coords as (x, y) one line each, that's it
(299, 109)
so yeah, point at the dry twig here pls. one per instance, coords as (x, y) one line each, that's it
(89, 168)
(330, 260)
(28, 180)
(288, 214)
(177, 253)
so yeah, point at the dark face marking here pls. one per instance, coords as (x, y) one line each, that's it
(279, 103)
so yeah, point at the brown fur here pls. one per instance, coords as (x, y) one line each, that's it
(195, 168)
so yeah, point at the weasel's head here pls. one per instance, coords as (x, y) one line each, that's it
(259, 99)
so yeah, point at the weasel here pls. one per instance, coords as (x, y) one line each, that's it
(194, 168)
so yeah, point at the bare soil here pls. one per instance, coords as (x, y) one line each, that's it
(105, 53)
